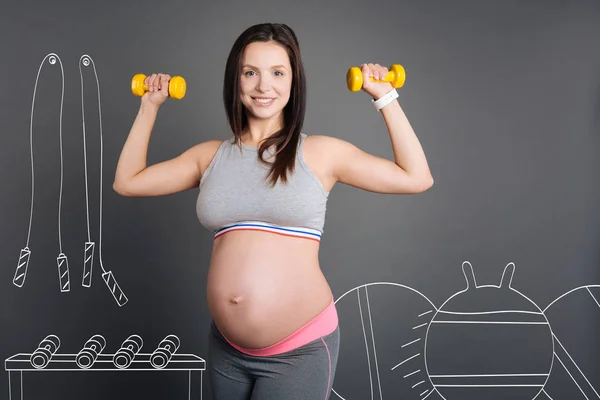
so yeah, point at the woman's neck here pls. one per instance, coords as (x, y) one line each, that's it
(260, 129)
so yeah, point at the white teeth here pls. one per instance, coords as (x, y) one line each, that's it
(264, 101)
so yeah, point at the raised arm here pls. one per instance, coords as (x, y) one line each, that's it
(133, 177)
(408, 173)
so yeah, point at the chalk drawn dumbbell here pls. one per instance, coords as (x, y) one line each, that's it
(46, 349)
(166, 348)
(89, 354)
(125, 355)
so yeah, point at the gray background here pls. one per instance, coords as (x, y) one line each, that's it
(503, 95)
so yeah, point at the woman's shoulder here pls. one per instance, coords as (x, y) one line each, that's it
(205, 152)
(324, 144)
(208, 147)
(322, 151)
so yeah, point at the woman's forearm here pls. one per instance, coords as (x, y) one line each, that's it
(408, 152)
(134, 153)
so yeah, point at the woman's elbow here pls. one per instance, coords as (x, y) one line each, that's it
(423, 184)
(428, 183)
(121, 188)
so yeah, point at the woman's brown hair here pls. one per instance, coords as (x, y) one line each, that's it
(286, 139)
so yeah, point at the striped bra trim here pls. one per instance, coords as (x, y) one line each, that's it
(305, 233)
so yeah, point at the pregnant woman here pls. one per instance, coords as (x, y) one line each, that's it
(263, 193)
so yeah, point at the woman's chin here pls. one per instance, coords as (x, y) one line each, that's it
(262, 113)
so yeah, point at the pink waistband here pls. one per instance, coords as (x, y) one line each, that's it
(323, 324)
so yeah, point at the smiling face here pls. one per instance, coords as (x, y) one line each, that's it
(266, 80)
(264, 92)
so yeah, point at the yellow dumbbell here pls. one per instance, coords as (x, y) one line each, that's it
(177, 86)
(396, 76)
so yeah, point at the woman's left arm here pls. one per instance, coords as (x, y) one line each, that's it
(408, 174)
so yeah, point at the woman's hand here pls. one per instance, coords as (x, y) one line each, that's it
(158, 89)
(377, 72)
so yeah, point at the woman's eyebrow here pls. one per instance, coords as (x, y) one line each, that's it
(274, 66)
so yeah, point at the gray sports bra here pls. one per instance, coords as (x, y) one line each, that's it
(234, 195)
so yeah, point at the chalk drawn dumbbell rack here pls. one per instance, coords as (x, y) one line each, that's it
(92, 358)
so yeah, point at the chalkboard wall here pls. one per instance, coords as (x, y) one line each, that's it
(487, 286)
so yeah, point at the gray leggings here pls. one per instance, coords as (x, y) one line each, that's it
(305, 373)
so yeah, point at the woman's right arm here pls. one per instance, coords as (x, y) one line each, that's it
(133, 177)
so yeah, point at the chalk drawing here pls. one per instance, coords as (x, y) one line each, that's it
(25, 254)
(391, 364)
(470, 345)
(465, 348)
(462, 349)
(570, 329)
(91, 357)
(89, 247)
(64, 273)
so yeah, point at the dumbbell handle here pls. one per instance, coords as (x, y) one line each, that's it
(177, 86)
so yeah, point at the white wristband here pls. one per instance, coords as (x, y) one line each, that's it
(385, 100)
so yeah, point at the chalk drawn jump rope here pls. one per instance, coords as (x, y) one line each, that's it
(24, 257)
(62, 260)
(107, 276)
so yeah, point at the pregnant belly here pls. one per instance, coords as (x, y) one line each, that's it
(262, 287)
